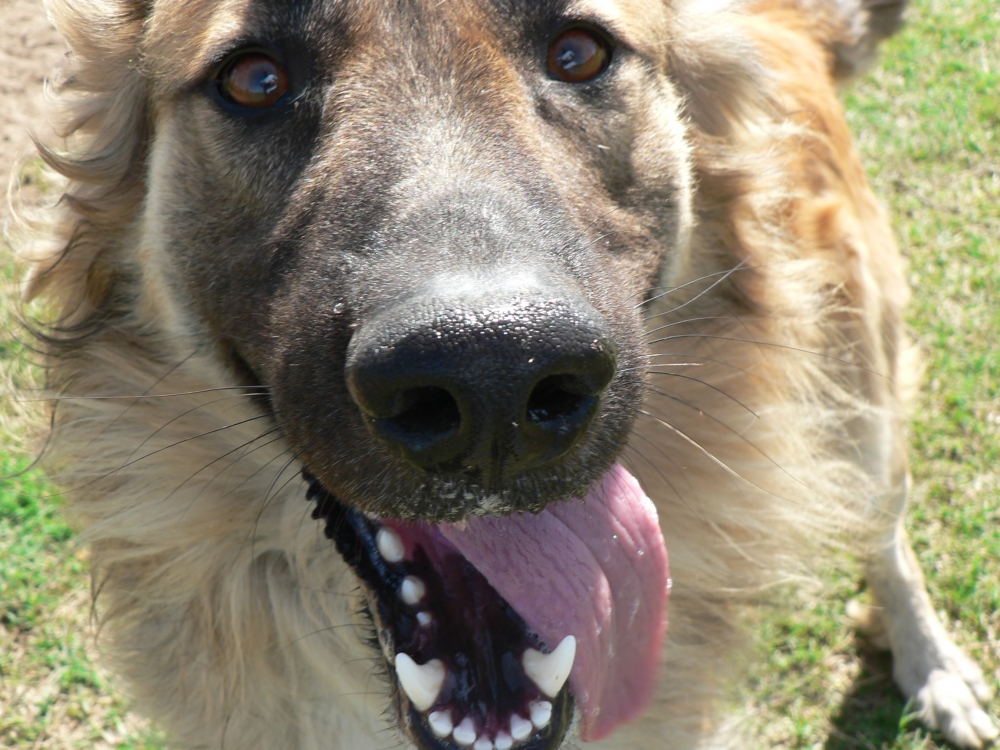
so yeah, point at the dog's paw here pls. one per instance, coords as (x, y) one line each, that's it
(951, 702)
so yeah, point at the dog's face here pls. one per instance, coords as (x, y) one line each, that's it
(427, 227)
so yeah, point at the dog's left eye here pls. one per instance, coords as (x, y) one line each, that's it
(578, 55)
(253, 80)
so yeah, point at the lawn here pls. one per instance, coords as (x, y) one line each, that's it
(928, 126)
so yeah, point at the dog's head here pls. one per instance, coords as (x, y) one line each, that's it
(427, 229)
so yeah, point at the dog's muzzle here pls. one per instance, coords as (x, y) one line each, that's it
(496, 628)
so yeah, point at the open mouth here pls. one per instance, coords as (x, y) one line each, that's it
(513, 632)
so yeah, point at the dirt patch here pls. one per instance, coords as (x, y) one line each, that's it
(30, 52)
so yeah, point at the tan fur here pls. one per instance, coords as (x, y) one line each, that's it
(231, 615)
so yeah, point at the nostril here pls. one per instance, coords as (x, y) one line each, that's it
(487, 386)
(423, 416)
(559, 399)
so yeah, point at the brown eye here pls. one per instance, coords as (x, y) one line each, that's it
(253, 80)
(578, 55)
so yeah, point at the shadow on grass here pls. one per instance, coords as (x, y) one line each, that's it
(871, 715)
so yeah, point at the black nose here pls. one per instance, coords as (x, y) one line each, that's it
(483, 384)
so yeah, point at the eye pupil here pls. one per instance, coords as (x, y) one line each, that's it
(253, 80)
(578, 55)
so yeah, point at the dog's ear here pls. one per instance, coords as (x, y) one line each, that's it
(852, 29)
(101, 118)
(717, 64)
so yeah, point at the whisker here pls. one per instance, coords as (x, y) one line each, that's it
(327, 629)
(656, 466)
(268, 494)
(692, 406)
(741, 266)
(155, 452)
(52, 417)
(788, 347)
(240, 447)
(707, 385)
(731, 475)
(159, 380)
(180, 416)
(711, 456)
(714, 360)
(686, 321)
(728, 428)
(263, 390)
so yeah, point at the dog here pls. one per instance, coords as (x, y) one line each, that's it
(394, 345)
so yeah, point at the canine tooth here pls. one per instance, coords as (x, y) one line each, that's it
(440, 722)
(390, 546)
(421, 683)
(483, 743)
(541, 713)
(503, 741)
(425, 619)
(520, 729)
(412, 590)
(465, 733)
(550, 671)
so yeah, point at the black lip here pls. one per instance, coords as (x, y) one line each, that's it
(354, 535)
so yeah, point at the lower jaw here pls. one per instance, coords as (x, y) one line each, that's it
(457, 636)
(562, 725)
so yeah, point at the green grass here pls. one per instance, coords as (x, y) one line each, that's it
(928, 126)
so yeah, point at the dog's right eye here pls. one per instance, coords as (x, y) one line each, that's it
(252, 80)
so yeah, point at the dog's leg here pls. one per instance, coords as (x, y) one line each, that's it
(948, 688)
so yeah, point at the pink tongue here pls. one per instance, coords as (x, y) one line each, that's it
(595, 569)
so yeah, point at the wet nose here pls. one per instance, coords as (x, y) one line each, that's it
(487, 386)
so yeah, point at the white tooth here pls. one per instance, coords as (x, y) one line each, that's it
(412, 590)
(550, 671)
(520, 729)
(541, 713)
(390, 546)
(483, 743)
(503, 741)
(465, 733)
(440, 722)
(424, 618)
(421, 683)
